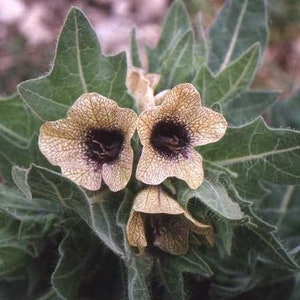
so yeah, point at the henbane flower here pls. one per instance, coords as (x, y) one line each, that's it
(92, 143)
(157, 219)
(169, 134)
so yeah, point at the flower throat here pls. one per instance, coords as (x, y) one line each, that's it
(169, 138)
(103, 145)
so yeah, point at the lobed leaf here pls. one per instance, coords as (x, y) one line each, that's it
(79, 67)
(238, 26)
(178, 66)
(230, 82)
(281, 208)
(100, 216)
(259, 235)
(176, 25)
(18, 128)
(138, 271)
(216, 198)
(171, 269)
(75, 251)
(247, 106)
(285, 113)
(134, 47)
(261, 153)
(17, 124)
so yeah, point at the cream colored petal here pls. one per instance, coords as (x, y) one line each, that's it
(117, 174)
(135, 231)
(200, 228)
(190, 170)
(86, 177)
(205, 125)
(154, 200)
(145, 123)
(126, 121)
(183, 97)
(60, 141)
(160, 97)
(94, 110)
(154, 169)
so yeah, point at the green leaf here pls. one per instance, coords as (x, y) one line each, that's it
(99, 212)
(176, 25)
(37, 210)
(238, 26)
(85, 267)
(200, 45)
(14, 252)
(18, 128)
(261, 153)
(282, 208)
(260, 237)
(11, 259)
(296, 291)
(79, 67)
(134, 47)
(178, 66)
(215, 197)
(138, 271)
(247, 106)
(103, 220)
(171, 269)
(230, 82)
(75, 251)
(277, 289)
(30, 223)
(17, 124)
(224, 236)
(285, 113)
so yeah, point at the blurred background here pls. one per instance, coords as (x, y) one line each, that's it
(29, 30)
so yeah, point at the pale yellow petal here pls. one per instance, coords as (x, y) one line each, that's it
(60, 141)
(190, 169)
(127, 119)
(205, 126)
(135, 231)
(153, 168)
(160, 97)
(117, 174)
(154, 200)
(95, 111)
(86, 177)
(183, 97)
(145, 123)
(183, 102)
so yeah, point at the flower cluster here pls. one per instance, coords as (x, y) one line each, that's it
(94, 143)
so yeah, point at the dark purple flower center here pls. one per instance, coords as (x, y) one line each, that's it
(170, 138)
(103, 145)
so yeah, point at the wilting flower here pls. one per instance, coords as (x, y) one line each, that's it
(169, 134)
(156, 218)
(92, 143)
(141, 85)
